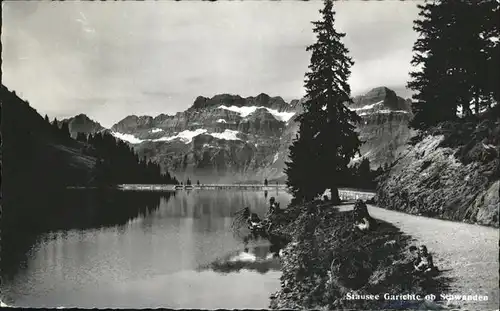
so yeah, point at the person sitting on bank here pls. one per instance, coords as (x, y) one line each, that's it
(424, 262)
(362, 219)
(253, 221)
(273, 205)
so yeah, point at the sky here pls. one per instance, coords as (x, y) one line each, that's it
(113, 59)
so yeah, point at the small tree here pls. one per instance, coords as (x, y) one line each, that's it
(81, 137)
(65, 130)
(55, 127)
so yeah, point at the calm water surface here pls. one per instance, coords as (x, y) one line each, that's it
(141, 250)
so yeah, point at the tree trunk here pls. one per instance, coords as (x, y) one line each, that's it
(476, 106)
(335, 195)
(466, 110)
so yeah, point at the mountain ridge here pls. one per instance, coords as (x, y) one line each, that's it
(81, 123)
(232, 138)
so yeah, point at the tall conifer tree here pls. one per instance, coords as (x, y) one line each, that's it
(455, 54)
(327, 139)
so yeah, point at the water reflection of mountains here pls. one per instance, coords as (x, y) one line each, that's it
(259, 258)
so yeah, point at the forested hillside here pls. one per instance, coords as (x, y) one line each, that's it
(38, 155)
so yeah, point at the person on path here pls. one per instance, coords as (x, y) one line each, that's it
(362, 219)
(424, 262)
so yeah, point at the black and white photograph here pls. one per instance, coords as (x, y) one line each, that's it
(253, 154)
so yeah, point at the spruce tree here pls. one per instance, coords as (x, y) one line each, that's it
(490, 34)
(81, 137)
(327, 139)
(364, 174)
(429, 108)
(65, 134)
(455, 54)
(303, 169)
(55, 127)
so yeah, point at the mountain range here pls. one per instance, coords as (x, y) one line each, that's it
(229, 138)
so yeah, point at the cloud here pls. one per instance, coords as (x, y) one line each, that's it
(112, 59)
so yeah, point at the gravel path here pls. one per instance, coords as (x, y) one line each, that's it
(468, 254)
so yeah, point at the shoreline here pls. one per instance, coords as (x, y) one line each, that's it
(326, 264)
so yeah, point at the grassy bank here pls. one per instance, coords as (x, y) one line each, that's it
(326, 263)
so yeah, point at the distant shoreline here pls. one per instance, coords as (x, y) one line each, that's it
(345, 193)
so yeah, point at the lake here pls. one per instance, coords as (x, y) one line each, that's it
(112, 249)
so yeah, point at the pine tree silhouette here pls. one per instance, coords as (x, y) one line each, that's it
(327, 140)
(81, 137)
(364, 174)
(456, 55)
(490, 33)
(119, 163)
(65, 134)
(55, 127)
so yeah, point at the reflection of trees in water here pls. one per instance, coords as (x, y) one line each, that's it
(219, 204)
(24, 221)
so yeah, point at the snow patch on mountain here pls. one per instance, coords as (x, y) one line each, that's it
(221, 121)
(127, 137)
(227, 135)
(156, 130)
(185, 136)
(367, 107)
(245, 111)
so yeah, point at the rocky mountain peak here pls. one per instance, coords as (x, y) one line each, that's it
(380, 99)
(261, 114)
(202, 102)
(133, 122)
(263, 97)
(250, 136)
(82, 123)
(82, 116)
(228, 100)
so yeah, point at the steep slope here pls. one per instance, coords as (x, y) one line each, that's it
(453, 173)
(34, 156)
(229, 138)
(384, 129)
(225, 137)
